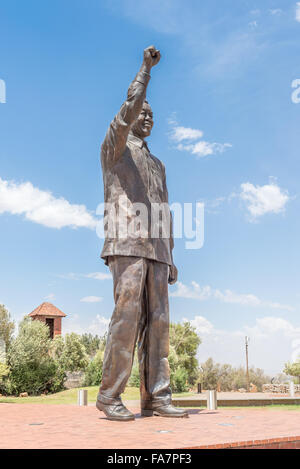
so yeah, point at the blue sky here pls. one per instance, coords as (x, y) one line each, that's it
(226, 71)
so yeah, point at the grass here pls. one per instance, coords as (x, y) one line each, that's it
(70, 397)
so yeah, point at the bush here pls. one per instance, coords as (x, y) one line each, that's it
(293, 369)
(93, 374)
(6, 327)
(183, 363)
(4, 371)
(184, 343)
(93, 343)
(69, 352)
(228, 378)
(179, 380)
(32, 369)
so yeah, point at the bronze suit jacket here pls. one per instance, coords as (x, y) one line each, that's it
(131, 174)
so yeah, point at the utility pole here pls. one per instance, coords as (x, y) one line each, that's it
(247, 339)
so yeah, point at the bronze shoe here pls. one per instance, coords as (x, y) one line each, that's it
(115, 411)
(165, 411)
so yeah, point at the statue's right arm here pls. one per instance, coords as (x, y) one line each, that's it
(116, 136)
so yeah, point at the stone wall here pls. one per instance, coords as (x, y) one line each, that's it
(74, 379)
(279, 388)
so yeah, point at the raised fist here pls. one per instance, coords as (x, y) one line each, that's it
(151, 56)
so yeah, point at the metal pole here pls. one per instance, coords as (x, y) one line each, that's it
(212, 403)
(82, 397)
(247, 366)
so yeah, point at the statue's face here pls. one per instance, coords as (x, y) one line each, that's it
(144, 123)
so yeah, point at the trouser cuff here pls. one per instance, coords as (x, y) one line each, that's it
(109, 400)
(155, 403)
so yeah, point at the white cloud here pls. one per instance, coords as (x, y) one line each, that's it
(185, 133)
(298, 12)
(213, 205)
(51, 296)
(248, 299)
(253, 24)
(256, 12)
(91, 299)
(99, 276)
(275, 305)
(92, 275)
(188, 135)
(228, 346)
(243, 299)
(42, 207)
(98, 326)
(69, 276)
(269, 324)
(203, 148)
(276, 12)
(260, 200)
(201, 324)
(196, 292)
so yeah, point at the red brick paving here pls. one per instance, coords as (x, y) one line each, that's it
(67, 426)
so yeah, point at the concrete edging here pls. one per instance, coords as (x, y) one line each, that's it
(236, 402)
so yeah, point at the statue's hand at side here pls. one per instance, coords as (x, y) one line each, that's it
(151, 57)
(173, 274)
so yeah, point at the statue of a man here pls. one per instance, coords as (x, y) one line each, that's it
(141, 266)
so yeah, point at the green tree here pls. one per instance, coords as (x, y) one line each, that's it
(184, 343)
(293, 369)
(69, 352)
(183, 363)
(227, 378)
(209, 374)
(93, 373)
(4, 370)
(178, 375)
(258, 377)
(92, 343)
(7, 326)
(179, 380)
(32, 369)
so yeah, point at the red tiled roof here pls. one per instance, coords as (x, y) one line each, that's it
(47, 309)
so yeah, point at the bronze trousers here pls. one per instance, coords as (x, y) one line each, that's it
(141, 315)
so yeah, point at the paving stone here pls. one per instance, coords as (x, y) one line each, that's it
(67, 426)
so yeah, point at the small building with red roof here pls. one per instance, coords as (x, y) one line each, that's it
(50, 315)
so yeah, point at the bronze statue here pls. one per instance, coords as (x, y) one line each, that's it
(141, 265)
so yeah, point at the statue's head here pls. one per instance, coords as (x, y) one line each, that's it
(144, 123)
